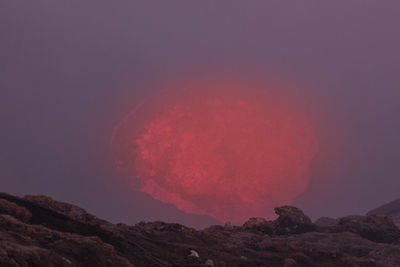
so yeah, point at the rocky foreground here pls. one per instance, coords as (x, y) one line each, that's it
(39, 231)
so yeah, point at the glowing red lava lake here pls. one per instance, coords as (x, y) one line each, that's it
(227, 150)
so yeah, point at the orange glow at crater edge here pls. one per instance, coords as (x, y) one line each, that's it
(224, 149)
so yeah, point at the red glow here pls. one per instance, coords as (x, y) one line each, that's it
(222, 149)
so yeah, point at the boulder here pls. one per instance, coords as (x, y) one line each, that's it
(377, 228)
(391, 209)
(258, 224)
(291, 220)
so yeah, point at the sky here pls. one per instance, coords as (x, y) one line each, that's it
(70, 70)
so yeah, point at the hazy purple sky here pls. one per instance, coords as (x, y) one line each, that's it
(69, 70)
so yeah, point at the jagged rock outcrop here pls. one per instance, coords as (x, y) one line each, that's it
(69, 210)
(39, 231)
(391, 209)
(377, 228)
(291, 220)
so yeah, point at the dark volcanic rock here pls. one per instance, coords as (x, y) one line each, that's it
(21, 213)
(258, 224)
(391, 209)
(378, 228)
(69, 210)
(291, 220)
(35, 245)
(39, 231)
(326, 222)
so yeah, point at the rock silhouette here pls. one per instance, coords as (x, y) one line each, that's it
(391, 209)
(39, 231)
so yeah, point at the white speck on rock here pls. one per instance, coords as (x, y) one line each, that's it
(193, 253)
(209, 263)
(67, 261)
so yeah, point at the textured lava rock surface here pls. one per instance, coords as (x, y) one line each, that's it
(39, 231)
(391, 209)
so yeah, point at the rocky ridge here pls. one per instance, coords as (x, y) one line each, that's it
(391, 209)
(39, 231)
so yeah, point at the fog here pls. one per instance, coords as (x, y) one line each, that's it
(70, 70)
